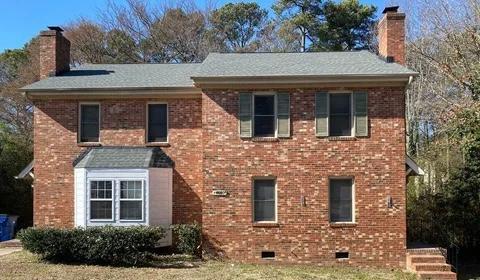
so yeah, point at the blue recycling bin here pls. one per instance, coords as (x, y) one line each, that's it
(5, 228)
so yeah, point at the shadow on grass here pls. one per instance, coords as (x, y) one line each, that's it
(175, 261)
(155, 261)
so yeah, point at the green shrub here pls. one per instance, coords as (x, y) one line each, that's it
(188, 238)
(95, 245)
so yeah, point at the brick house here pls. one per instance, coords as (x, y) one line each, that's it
(288, 157)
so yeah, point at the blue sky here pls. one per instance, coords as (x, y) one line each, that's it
(23, 19)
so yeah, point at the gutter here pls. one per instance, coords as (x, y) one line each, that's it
(114, 91)
(202, 81)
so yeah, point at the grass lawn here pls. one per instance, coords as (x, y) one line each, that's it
(23, 265)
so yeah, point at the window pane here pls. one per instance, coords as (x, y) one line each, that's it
(131, 189)
(264, 211)
(157, 122)
(101, 189)
(340, 119)
(340, 103)
(264, 190)
(340, 126)
(264, 125)
(130, 210)
(264, 200)
(89, 125)
(264, 104)
(101, 210)
(89, 133)
(90, 113)
(341, 200)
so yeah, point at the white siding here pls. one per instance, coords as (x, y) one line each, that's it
(80, 197)
(157, 196)
(161, 199)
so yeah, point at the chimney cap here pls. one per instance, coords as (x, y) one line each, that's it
(55, 28)
(391, 9)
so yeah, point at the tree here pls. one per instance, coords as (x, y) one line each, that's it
(276, 37)
(168, 33)
(237, 25)
(120, 48)
(301, 14)
(347, 25)
(88, 40)
(16, 130)
(182, 32)
(329, 25)
(452, 213)
(450, 30)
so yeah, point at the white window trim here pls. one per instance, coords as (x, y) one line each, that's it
(90, 199)
(352, 113)
(79, 129)
(267, 93)
(253, 200)
(353, 221)
(146, 122)
(120, 199)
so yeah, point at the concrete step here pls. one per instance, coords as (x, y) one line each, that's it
(426, 259)
(427, 251)
(14, 243)
(423, 267)
(440, 275)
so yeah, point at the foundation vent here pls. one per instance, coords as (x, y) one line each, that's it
(268, 255)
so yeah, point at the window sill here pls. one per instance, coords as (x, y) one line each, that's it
(341, 138)
(264, 139)
(343, 225)
(89, 144)
(265, 225)
(157, 144)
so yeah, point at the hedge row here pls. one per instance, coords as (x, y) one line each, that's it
(96, 245)
(107, 245)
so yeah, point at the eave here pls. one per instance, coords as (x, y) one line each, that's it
(106, 93)
(303, 81)
(412, 167)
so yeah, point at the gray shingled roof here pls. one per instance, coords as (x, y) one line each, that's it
(122, 157)
(107, 76)
(153, 76)
(297, 64)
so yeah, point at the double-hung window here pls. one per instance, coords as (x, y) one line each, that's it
(341, 114)
(341, 200)
(131, 200)
(264, 115)
(340, 117)
(157, 122)
(101, 200)
(264, 200)
(114, 200)
(89, 122)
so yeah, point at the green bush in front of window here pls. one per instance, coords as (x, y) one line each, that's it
(188, 238)
(96, 245)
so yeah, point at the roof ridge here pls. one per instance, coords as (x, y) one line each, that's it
(315, 52)
(149, 63)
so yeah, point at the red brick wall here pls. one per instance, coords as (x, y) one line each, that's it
(123, 124)
(391, 37)
(302, 166)
(54, 53)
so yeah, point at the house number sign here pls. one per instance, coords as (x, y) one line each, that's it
(219, 193)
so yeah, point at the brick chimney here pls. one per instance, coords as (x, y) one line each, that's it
(54, 52)
(391, 35)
